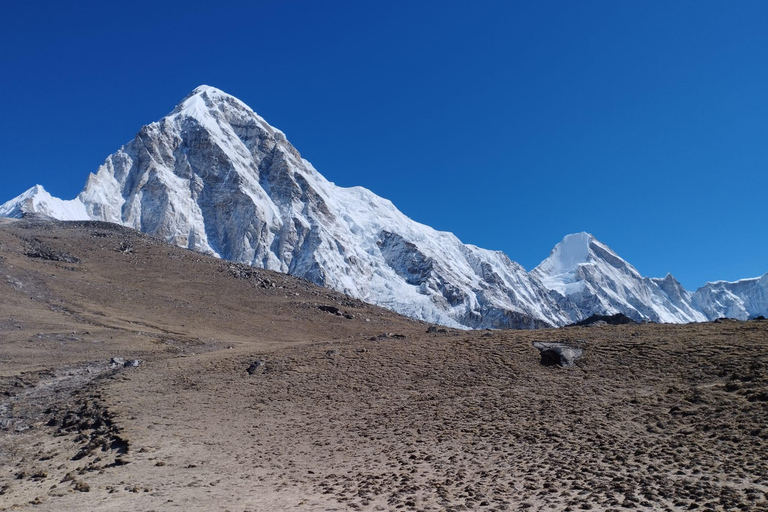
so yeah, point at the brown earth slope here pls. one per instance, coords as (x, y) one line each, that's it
(349, 407)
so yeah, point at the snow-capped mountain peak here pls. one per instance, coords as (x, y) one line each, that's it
(38, 201)
(572, 258)
(743, 299)
(570, 252)
(215, 177)
(592, 279)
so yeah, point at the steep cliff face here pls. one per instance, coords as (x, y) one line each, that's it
(215, 177)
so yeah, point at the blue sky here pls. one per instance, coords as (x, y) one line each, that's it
(509, 123)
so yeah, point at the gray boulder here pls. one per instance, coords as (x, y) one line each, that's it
(558, 354)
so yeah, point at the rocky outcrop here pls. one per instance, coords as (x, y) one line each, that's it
(558, 354)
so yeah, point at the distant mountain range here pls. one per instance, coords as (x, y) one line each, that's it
(213, 176)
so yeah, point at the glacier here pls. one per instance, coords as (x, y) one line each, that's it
(215, 177)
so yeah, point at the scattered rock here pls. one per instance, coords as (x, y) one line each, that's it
(387, 335)
(595, 320)
(248, 273)
(254, 367)
(94, 428)
(126, 247)
(40, 474)
(82, 487)
(558, 354)
(43, 252)
(329, 309)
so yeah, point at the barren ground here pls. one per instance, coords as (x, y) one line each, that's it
(360, 410)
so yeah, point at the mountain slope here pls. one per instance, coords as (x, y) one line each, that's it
(213, 176)
(250, 394)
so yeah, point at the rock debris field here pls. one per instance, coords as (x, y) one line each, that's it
(250, 396)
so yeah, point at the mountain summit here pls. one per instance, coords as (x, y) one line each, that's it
(594, 279)
(215, 177)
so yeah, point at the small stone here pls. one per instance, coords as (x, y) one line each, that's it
(82, 487)
(254, 366)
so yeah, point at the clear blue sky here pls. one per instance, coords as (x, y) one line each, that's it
(509, 123)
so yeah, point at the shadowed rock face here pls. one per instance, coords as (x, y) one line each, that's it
(558, 354)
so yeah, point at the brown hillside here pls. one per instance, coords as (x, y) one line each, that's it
(348, 406)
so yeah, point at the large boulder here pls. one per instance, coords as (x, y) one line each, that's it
(558, 354)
